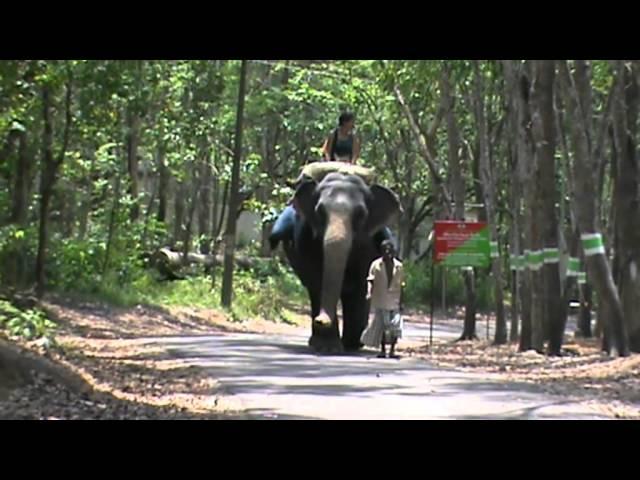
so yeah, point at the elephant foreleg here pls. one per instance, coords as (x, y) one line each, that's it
(355, 312)
(323, 339)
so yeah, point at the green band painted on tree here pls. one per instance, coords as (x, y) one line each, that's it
(551, 255)
(494, 249)
(582, 278)
(513, 262)
(573, 267)
(592, 244)
(536, 259)
(521, 262)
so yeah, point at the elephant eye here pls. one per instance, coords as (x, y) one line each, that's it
(359, 214)
(321, 212)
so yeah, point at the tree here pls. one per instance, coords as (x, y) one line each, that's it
(576, 89)
(488, 183)
(230, 233)
(626, 201)
(459, 194)
(544, 135)
(50, 165)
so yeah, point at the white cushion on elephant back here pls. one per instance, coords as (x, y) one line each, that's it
(318, 170)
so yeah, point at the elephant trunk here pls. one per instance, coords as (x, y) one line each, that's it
(337, 242)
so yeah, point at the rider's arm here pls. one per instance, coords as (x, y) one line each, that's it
(326, 148)
(356, 149)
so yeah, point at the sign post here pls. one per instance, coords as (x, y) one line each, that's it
(459, 244)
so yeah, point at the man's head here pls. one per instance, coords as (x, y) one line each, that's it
(347, 121)
(388, 249)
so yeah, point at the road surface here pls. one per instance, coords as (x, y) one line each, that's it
(276, 377)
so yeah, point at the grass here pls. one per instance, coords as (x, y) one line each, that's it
(266, 292)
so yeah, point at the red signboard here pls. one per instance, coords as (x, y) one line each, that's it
(461, 244)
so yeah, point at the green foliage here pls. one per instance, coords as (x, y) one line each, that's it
(16, 242)
(28, 324)
(417, 292)
(268, 290)
(187, 110)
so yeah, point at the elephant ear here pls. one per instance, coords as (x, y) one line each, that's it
(304, 201)
(384, 206)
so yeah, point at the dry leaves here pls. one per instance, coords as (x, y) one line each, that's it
(583, 371)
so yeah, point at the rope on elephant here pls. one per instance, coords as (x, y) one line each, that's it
(318, 170)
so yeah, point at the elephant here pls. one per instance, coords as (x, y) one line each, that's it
(331, 233)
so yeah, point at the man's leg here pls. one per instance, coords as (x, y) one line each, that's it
(283, 227)
(393, 347)
(395, 320)
(383, 352)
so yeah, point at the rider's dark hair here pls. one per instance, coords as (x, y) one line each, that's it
(345, 117)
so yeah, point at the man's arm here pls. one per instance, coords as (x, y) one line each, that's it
(370, 279)
(403, 283)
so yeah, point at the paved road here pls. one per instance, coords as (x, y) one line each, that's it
(275, 376)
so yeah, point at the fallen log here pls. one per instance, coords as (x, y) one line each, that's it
(168, 262)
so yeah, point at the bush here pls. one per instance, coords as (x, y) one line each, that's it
(417, 292)
(29, 324)
(18, 247)
(268, 291)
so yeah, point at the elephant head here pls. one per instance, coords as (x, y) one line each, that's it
(342, 211)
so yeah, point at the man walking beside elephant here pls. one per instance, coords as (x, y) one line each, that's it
(385, 282)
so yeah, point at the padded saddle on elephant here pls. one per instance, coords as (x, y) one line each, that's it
(318, 170)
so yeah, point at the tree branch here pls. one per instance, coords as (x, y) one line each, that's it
(67, 121)
(423, 148)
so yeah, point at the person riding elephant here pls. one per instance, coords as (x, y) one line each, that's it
(342, 145)
(338, 226)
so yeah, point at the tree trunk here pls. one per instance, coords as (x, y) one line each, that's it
(576, 89)
(20, 200)
(487, 181)
(6, 153)
(132, 140)
(113, 224)
(163, 186)
(49, 169)
(204, 206)
(87, 196)
(230, 234)
(545, 135)
(16, 263)
(265, 227)
(531, 334)
(584, 315)
(525, 302)
(515, 198)
(515, 255)
(178, 225)
(223, 208)
(469, 328)
(193, 203)
(627, 199)
(457, 182)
